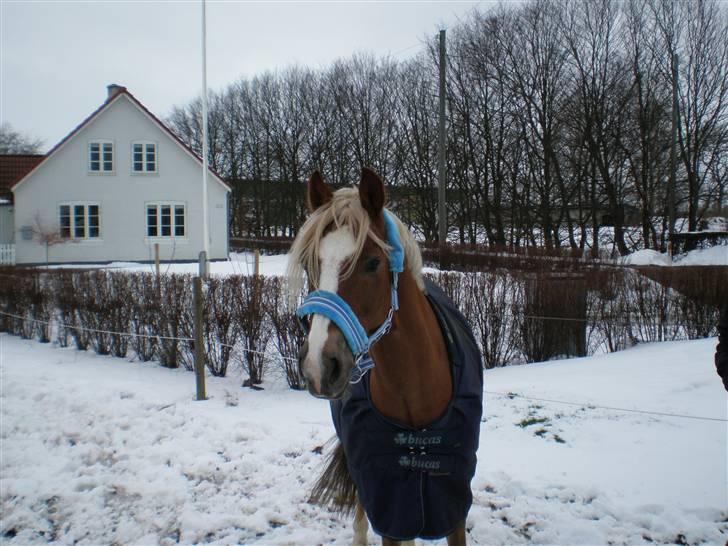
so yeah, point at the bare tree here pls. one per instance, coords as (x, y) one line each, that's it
(415, 158)
(645, 141)
(536, 75)
(14, 142)
(46, 235)
(696, 31)
(601, 92)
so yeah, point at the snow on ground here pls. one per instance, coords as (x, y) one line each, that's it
(717, 255)
(646, 257)
(98, 450)
(243, 263)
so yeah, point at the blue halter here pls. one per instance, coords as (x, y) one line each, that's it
(333, 307)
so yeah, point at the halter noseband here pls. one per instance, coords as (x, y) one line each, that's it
(333, 307)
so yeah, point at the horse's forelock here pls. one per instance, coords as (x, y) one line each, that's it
(343, 210)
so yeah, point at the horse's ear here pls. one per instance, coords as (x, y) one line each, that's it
(318, 192)
(371, 193)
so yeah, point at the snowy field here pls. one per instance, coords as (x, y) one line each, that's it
(97, 450)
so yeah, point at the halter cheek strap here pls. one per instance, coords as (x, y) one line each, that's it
(333, 307)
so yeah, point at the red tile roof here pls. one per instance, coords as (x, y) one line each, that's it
(120, 90)
(14, 167)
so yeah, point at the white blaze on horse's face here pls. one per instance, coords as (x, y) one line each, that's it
(336, 247)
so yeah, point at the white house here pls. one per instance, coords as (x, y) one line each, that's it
(117, 184)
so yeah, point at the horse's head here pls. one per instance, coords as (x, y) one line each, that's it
(343, 249)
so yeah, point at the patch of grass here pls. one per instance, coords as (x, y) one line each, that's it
(532, 421)
(541, 432)
(559, 439)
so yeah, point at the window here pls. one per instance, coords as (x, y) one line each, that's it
(101, 157)
(166, 220)
(144, 157)
(79, 221)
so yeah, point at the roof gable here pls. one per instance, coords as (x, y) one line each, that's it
(119, 93)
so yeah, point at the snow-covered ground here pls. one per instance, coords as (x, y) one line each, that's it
(717, 255)
(243, 263)
(98, 450)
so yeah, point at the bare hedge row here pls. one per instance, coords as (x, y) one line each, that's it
(516, 317)
(245, 320)
(525, 317)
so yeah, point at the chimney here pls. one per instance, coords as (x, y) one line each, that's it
(114, 90)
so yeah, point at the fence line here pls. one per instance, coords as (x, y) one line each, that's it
(512, 395)
(267, 355)
(7, 254)
(150, 336)
(509, 395)
(73, 327)
(655, 322)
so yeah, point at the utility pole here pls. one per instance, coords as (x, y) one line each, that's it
(205, 234)
(442, 209)
(198, 303)
(673, 151)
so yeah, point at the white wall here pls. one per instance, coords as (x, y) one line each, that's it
(6, 224)
(121, 197)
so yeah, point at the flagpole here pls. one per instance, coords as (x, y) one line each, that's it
(205, 227)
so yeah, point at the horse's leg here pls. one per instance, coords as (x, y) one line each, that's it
(361, 525)
(457, 537)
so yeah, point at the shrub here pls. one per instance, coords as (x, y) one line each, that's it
(174, 320)
(251, 303)
(289, 335)
(119, 309)
(494, 297)
(144, 293)
(66, 305)
(220, 330)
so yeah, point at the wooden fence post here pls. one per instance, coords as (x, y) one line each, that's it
(199, 342)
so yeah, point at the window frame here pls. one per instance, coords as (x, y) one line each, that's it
(172, 218)
(101, 172)
(132, 163)
(73, 226)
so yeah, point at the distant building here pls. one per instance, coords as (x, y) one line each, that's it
(118, 184)
(13, 167)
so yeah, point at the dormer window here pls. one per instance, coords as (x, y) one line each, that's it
(101, 157)
(143, 157)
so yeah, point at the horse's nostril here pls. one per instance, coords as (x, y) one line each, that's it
(335, 368)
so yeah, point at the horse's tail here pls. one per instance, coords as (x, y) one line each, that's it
(335, 488)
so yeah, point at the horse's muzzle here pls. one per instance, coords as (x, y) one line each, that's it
(327, 375)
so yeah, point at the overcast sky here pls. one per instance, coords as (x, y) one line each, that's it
(57, 57)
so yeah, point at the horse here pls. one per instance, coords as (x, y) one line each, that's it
(398, 364)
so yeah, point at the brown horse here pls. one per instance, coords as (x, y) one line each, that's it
(399, 423)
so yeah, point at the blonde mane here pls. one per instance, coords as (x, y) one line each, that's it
(343, 210)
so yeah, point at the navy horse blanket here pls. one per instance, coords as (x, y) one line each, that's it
(415, 483)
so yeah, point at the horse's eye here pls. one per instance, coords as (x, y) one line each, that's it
(371, 265)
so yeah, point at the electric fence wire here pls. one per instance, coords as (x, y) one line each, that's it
(509, 395)
(512, 395)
